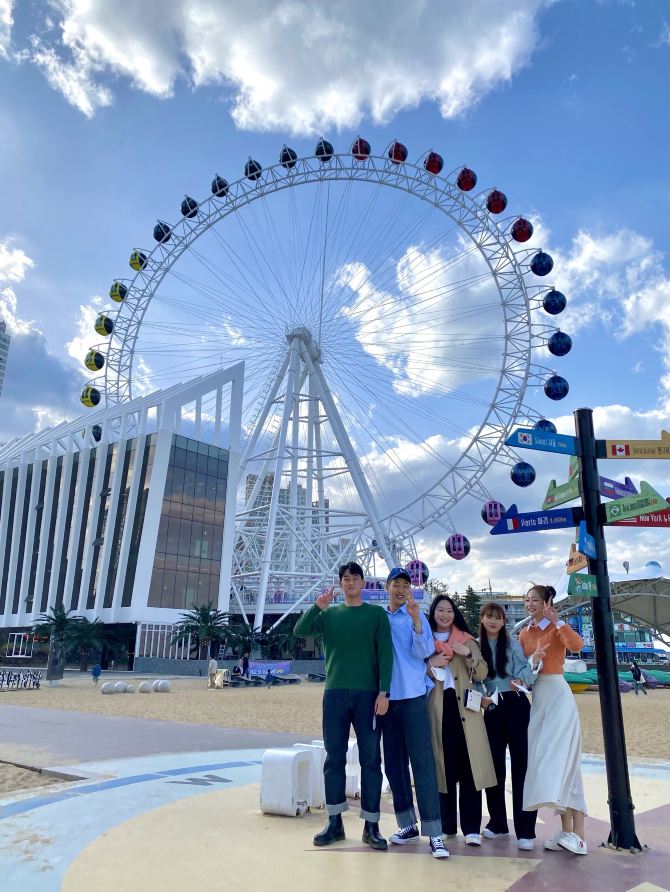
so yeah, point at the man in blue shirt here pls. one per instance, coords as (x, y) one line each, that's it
(406, 725)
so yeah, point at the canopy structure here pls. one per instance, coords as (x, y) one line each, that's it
(643, 594)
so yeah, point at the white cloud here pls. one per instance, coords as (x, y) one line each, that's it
(14, 262)
(85, 335)
(6, 22)
(291, 64)
(75, 80)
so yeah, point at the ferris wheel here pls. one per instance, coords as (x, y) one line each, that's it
(388, 317)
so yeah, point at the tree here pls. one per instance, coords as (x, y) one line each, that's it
(471, 609)
(246, 639)
(206, 625)
(87, 636)
(282, 641)
(435, 587)
(57, 623)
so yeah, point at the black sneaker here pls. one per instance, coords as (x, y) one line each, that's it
(437, 848)
(407, 834)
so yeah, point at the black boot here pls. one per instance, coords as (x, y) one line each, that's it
(332, 832)
(373, 837)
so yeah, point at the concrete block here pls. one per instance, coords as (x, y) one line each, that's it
(164, 686)
(108, 688)
(285, 782)
(145, 687)
(120, 687)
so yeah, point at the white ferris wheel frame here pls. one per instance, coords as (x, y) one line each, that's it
(487, 443)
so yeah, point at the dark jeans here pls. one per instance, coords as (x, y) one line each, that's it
(406, 740)
(639, 686)
(341, 710)
(507, 726)
(458, 774)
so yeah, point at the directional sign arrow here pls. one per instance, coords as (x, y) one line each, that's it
(653, 519)
(532, 521)
(635, 448)
(530, 438)
(576, 560)
(615, 490)
(586, 543)
(561, 493)
(646, 501)
(583, 585)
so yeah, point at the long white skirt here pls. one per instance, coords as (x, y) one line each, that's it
(554, 773)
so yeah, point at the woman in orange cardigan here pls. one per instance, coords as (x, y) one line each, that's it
(554, 776)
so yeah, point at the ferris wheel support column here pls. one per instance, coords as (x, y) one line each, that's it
(320, 491)
(293, 500)
(266, 560)
(258, 427)
(309, 469)
(350, 458)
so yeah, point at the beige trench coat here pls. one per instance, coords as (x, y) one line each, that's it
(466, 671)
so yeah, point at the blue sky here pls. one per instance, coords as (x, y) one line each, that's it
(110, 115)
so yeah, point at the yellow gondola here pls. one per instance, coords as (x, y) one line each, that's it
(90, 396)
(94, 360)
(104, 325)
(118, 292)
(138, 260)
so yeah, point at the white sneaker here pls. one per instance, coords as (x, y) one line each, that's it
(489, 834)
(573, 843)
(473, 839)
(437, 849)
(525, 845)
(552, 844)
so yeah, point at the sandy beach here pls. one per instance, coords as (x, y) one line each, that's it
(297, 709)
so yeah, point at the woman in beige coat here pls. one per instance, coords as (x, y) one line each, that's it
(460, 742)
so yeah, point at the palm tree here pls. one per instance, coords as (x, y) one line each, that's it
(282, 639)
(246, 639)
(58, 625)
(206, 625)
(87, 636)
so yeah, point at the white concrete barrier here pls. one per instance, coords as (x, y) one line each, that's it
(108, 688)
(317, 790)
(164, 686)
(145, 687)
(285, 782)
(120, 687)
(155, 684)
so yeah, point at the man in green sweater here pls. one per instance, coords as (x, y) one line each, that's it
(359, 660)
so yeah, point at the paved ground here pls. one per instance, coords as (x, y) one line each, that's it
(48, 737)
(167, 807)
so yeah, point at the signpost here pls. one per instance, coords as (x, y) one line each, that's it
(644, 502)
(530, 438)
(587, 543)
(576, 561)
(653, 519)
(635, 448)
(531, 521)
(583, 585)
(628, 507)
(615, 490)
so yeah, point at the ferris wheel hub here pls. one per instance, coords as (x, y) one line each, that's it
(302, 333)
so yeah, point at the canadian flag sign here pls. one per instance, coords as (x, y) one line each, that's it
(619, 449)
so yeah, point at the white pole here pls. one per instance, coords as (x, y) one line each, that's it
(350, 458)
(272, 395)
(293, 494)
(276, 485)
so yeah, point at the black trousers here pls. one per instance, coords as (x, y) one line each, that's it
(507, 727)
(460, 783)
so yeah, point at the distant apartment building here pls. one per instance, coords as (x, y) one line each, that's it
(4, 350)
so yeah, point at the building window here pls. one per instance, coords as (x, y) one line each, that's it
(187, 563)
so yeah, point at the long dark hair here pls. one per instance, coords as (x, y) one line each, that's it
(499, 669)
(459, 619)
